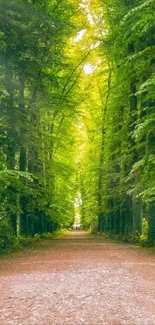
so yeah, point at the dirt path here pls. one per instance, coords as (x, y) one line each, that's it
(78, 280)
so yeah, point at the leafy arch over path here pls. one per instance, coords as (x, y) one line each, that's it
(77, 113)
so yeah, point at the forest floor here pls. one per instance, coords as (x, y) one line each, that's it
(80, 279)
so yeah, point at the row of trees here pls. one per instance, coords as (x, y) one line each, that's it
(77, 114)
(37, 178)
(121, 156)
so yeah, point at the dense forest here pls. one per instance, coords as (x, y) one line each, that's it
(77, 117)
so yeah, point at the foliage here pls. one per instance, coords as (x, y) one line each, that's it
(77, 115)
(7, 239)
(122, 168)
(36, 119)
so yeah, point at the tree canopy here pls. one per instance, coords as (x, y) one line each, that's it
(77, 116)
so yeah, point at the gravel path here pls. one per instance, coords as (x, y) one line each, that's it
(78, 280)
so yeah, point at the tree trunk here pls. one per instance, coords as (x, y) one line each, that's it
(100, 179)
(151, 221)
(23, 223)
(11, 142)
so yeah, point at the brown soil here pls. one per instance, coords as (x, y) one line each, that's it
(78, 280)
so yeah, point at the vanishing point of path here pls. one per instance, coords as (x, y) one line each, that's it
(81, 280)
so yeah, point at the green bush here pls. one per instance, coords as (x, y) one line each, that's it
(8, 240)
(28, 241)
(56, 234)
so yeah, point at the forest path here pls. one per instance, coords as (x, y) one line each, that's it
(80, 279)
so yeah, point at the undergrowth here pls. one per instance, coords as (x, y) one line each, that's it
(137, 239)
(10, 243)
